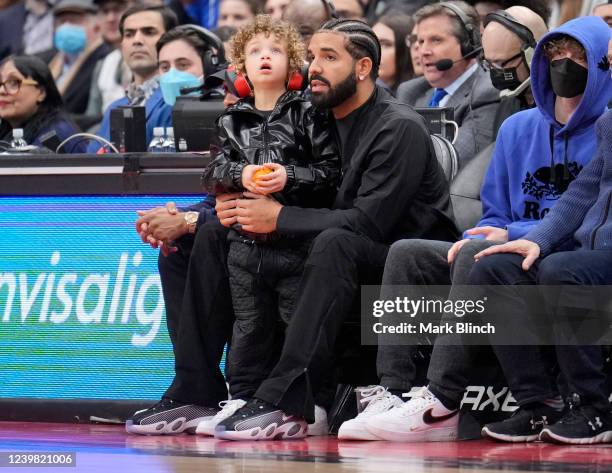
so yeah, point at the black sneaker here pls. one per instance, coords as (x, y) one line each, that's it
(168, 417)
(524, 425)
(259, 420)
(581, 425)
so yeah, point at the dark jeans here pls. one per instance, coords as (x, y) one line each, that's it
(264, 280)
(338, 263)
(203, 325)
(424, 262)
(527, 368)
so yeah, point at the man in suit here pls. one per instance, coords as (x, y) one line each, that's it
(449, 41)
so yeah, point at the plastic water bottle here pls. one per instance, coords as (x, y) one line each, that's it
(169, 145)
(18, 143)
(157, 143)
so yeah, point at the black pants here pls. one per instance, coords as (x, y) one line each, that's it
(202, 326)
(526, 367)
(338, 263)
(264, 280)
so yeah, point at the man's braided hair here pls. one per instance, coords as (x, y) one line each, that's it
(361, 41)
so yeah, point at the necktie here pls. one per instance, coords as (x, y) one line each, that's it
(438, 95)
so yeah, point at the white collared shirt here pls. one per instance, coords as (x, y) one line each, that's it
(452, 88)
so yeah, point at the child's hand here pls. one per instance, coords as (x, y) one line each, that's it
(273, 182)
(247, 177)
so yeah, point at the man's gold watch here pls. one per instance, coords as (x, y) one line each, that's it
(191, 219)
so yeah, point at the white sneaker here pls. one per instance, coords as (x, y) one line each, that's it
(228, 409)
(320, 426)
(378, 401)
(422, 419)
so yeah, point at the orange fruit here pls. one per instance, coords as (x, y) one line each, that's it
(261, 172)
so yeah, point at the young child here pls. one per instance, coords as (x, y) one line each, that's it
(273, 143)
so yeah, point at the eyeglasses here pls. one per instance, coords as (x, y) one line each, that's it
(13, 85)
(488, 65)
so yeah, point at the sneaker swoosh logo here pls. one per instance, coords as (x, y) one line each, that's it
(430, 419)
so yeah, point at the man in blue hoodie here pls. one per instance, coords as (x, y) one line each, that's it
(583, 218)
(538, 153)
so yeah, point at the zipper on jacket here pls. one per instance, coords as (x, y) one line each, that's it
(603, 221)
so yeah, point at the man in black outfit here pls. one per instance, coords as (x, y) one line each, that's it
(392, 187)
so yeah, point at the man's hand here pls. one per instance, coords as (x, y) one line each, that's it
(160, 226)
(258, 214)
(490, 233)
(455, 249)
(226, 208)
(273, 182)
(529, 250)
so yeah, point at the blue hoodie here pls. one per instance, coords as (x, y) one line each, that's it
(521, 184)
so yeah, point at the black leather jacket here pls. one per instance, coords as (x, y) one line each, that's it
(294, 134)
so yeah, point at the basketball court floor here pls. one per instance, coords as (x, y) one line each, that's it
(107, 448)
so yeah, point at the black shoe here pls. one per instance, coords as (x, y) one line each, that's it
(524, 425)
(259, 420)
(581, 425)
(168, 417)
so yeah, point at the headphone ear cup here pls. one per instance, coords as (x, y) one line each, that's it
(242, 87)
(296, 81)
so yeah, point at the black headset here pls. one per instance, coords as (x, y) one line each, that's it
(525, 35)
(472, 46)
(213, 59)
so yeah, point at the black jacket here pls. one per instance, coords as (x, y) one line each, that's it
(392, 186)
(294, 135)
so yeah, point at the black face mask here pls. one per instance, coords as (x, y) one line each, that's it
(505, 79)
(568, 78)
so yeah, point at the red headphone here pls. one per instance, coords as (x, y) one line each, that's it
(238, 84)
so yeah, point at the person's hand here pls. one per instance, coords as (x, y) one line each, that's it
(160, 226)
(273, 182)
(258, 213)
(529, 250)
(454, 250)
(490, 233)
(247, 176)
(226, 207)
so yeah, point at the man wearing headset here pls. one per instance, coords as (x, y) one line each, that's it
(449, 41)
(508, 42)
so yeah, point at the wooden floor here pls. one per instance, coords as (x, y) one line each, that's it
(103, 448)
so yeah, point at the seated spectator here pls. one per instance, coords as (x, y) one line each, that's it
(275, 8)
(141, 26)
(189, 56)
(508, 42)
(238, 13)
(78, 47)
(27, 27)
(307, 16)
(538, 153)
(445, 36)
(111, 74)
(30, 100)
(395, 62)
(582, 216)
(603, 9)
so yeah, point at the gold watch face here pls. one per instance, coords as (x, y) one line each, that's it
(191, 218)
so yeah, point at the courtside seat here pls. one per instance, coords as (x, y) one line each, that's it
(465, 189)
